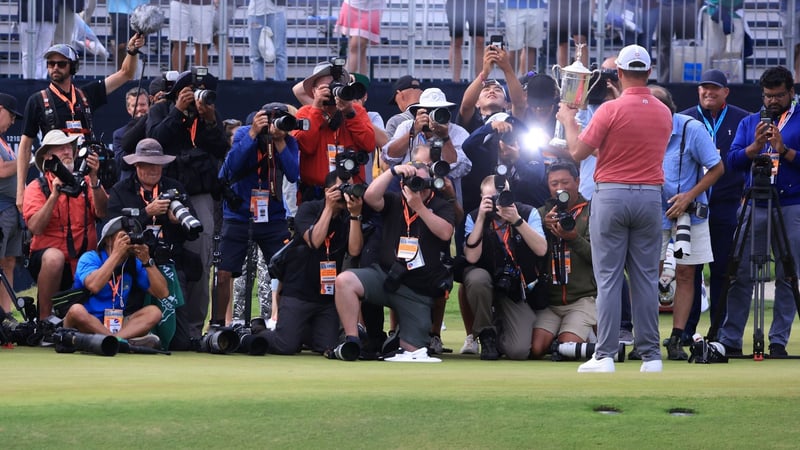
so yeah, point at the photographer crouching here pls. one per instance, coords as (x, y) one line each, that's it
(166, 217)
(189, 127)
(61, 209)
(503, 239)
(110, 274)
(571, 312)
(253, 208)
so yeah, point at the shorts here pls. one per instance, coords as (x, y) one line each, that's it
(269, 236)
(578, 318)
(525, 27)
(701, 245)
(191, 20)
(472, 11)
(413, 310)
(359, 23)
(35, 266)
(11, 243)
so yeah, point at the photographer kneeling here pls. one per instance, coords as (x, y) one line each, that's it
(153, 200)
(109, 274)
(571, 312)
(502, 248)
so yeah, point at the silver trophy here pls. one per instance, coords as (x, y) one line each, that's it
(574, 85)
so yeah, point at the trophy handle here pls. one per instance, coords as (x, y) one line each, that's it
(597, 80)
(556, 70)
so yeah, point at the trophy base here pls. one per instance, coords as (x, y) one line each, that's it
(558, 142)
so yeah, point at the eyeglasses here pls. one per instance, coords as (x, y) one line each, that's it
(60, 64)
(775, 96)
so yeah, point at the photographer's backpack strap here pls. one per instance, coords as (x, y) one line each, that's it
(70, 242)
(50, 113)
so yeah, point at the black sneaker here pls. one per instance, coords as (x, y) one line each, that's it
(777, 350)
(488, 340)
(732, 352)
(675, 349)
(634, 355)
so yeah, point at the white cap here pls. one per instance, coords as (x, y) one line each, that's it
(634, 58)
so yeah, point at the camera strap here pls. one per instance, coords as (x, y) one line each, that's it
(507, 247)
(683, 148)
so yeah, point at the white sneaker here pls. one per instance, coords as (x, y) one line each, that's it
(654, 365)
(603, 365)
(271, 324)
(419, 355)
(444, 327)
(470, 346)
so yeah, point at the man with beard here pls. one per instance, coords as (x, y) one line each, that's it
(780, 139)
(63, 225)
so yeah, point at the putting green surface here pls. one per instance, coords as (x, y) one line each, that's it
(192, 400)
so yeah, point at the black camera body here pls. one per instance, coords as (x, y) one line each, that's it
(251, 337)
(761, 170)
(699, 209)
(347, 92)
(106, 172)
(507, 281)
(563, 215)
(439, 168)
(233, 199)
(395, 276)
(417, 183)
(353, 190)
(349, 162)
(70, 340)
(72, 184)
(207, 96)
(439, 115)
(279, 116)
(218, 340)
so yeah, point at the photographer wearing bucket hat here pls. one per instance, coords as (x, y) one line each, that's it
(110, 273)
(336, 125)
(63, 226)
(11, 241)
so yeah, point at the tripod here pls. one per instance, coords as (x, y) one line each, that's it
(760, 262)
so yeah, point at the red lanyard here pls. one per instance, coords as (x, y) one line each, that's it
(271, 173)
(70, 102)
(193, 131)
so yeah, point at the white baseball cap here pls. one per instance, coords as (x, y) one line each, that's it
(634, 58)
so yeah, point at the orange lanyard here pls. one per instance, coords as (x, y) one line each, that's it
(408, 217)
(270, 168)
(115, 290)
(153, 197)
(70, 102)
(328, 245)
(193, 131)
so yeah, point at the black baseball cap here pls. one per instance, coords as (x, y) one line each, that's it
(715, 77)
(9, 102)
(403, 83)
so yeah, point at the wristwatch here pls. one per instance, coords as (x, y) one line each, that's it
(358, 217)
(150, 263)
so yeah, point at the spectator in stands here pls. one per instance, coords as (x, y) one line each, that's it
(678, 20)
(190, 18)
(36, 34)
(261, 13)
(485, 97)
(103, 273)
(410, 273)
(458, 14)
(570, 19)
(571, 313)
(10, 230)
(692, 165)
(501, 246)
(336, 125)
(62, 105)
(63, 225)
(724, 30)
(360, 21)
(525, 31)
(330, 233)
(137, 103)
(218, 28)
(191, 129)
(119, 12)
(405, 92)
(787, 17)
(721, 119)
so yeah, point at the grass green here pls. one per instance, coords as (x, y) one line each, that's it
(192, 400)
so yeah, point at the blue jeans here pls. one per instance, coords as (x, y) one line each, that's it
(277, 22)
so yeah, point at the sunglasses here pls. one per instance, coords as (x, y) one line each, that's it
(60, 64)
